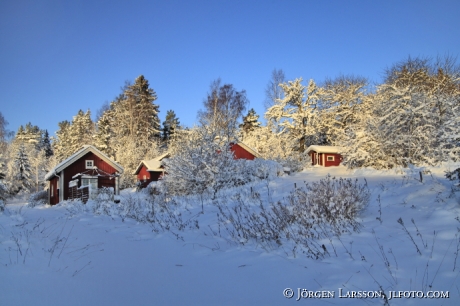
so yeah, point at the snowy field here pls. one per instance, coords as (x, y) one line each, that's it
(67, 255)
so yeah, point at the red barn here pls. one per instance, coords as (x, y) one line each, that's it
(242, 151)
(150, 170)
(325, 155)
(87, 167)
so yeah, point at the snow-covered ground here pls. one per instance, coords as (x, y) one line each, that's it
(65, 256)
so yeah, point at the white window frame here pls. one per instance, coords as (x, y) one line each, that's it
(330, 158)
(145, 177)
(92, 189)
(91, 162)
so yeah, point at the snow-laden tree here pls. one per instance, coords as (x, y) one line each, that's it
(129, 154)
(296, 115)
(135, 114)
(45, 144)
(104, 135)
(342, 107)
(411, 119)
(204, 164)
(21, 180)
(81, 130)
(71, 136)
(61, 143)
(29, 134)
(250, 123)
(170, 125)
(272, 145)
(4, 134)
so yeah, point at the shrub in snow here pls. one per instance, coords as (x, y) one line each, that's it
(295, 163)
(103, 202)
(3, 192)
(453, 175)
(2, 205)
(203, 165)
(38, 198)
(320, 210)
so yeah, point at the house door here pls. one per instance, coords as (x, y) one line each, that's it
(92, 186)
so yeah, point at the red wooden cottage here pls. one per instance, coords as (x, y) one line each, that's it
(150, 170)
(325, 155)
(89, 168)
(242, 151)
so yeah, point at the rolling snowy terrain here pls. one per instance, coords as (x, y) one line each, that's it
(69, 255)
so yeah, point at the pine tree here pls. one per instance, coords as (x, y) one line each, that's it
(139, 113)
(61, 144)
(21, 178)
(250, 122)
(45, 144)
(104, 133)
(81, 130)
(170, 125)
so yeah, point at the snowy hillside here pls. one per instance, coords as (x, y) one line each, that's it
(408, 240)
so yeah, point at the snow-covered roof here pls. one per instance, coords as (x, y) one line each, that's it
(249, 149)
(153, 165)
(325, 149)
(79, 154)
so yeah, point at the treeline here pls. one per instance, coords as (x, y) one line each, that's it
(410, 118)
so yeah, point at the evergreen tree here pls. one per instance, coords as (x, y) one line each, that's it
(45, 144)
(170, 125)
(29, 134)
(81, 130)
(61, 144)
(21, 178)
(250, 122)
(104, 133)
(130, 129)
(139, 113)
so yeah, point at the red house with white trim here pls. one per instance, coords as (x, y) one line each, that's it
(87, 167)
(150, 170)
(326, 156)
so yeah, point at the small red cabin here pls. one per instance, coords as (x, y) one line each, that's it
(150, 170)
(326, 156)
(242, 151)
(87, 167)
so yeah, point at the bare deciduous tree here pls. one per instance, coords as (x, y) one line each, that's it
(223, 106)
(273, 91)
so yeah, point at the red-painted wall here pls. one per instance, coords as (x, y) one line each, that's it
(79, 166)
(240, 153)
(54, 197)
(142, 172)
(150, 176)
(319, 159)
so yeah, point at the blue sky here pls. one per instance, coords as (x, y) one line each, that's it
(57, 57)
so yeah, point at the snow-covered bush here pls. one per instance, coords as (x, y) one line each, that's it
(453, 175)
(331, 201)
(3, 192)
(38, 198)
(205, 165)
(320, 210)
(2, 206)
(103, 203)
